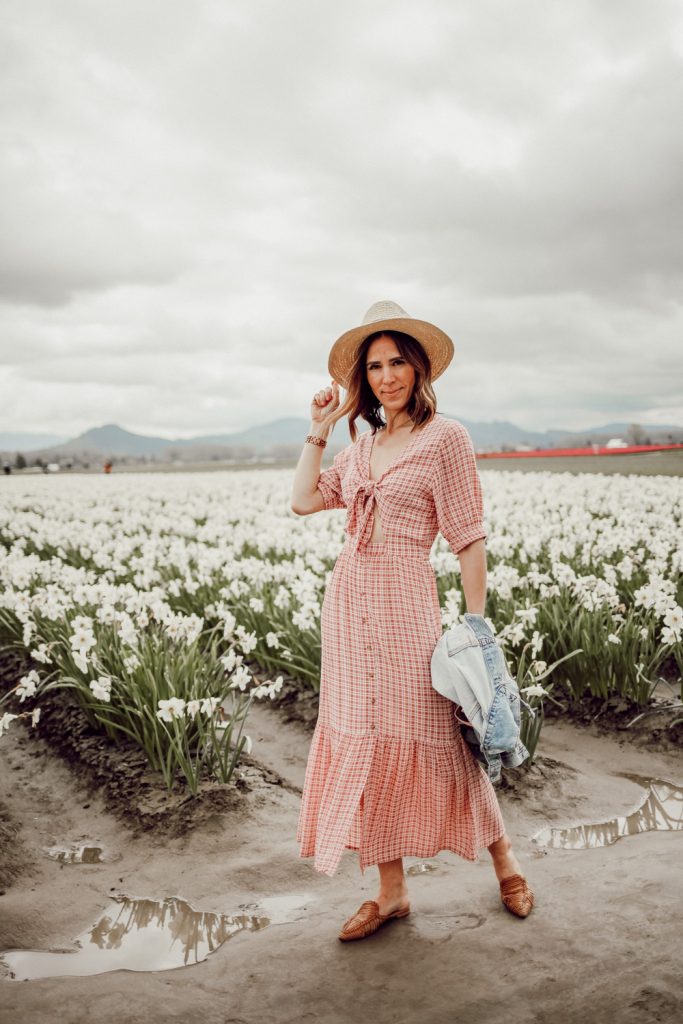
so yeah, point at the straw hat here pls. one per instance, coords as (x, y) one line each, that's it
(388, 316)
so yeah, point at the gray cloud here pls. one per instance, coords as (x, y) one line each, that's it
(204, 196)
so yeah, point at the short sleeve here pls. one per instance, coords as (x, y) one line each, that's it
(456, 489)
(330, 482)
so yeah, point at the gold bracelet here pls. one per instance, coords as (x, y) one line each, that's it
(313, 439)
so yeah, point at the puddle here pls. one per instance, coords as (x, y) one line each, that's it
(135, 935)
(425, 867)
(282, 909)
(660, 810)
(80, 854)
(150, 935)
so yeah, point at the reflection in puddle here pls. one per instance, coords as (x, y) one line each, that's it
(661, 810)
(80, 854)
(423, 868)
(136, 935)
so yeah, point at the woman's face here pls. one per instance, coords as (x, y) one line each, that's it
(390, 376)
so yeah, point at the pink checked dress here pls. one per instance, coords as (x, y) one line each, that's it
(389, 773)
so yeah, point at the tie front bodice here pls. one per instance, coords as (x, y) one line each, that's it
(432, 485)
(361, 510)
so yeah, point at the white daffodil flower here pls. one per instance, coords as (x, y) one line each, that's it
(192, 708)
(27, 685)
(535, 690)
(81, 661)
(101, 692)
(241, 677)
(42, 654)
(209, 705)
(5, 721)
(171, 709)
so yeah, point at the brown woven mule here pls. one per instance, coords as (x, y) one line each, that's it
(367, 920)
(517, 896)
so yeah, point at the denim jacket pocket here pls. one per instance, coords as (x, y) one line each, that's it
(502, 730)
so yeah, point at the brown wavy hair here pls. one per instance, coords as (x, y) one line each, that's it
(360, 399)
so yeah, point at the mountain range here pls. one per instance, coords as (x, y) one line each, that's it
(282, 439)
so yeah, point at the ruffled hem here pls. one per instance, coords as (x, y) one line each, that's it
(388, 797)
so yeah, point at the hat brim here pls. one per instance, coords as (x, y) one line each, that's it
(436, 343)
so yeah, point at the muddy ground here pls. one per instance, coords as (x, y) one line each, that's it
(602, 943)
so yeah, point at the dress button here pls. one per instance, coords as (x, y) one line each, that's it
(373, 701)
(364, 620)
(372, 726)
(372, 675)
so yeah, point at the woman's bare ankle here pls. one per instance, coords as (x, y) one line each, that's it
(393, 891)
(505, 863)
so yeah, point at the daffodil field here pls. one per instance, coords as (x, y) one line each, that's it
(146, 594)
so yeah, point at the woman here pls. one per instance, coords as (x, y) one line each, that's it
(389, 773)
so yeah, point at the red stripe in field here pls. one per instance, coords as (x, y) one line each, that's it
(598, 450)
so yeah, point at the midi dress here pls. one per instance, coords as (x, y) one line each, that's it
(389, 773)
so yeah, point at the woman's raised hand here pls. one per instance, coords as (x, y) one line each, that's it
(324, 402)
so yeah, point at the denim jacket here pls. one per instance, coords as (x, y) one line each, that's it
(468, 666)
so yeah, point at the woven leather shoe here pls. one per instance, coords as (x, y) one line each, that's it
(367, 920)
(516, 895)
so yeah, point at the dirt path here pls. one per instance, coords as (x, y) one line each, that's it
(602, 944)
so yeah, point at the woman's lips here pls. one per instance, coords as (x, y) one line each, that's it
(390, 393)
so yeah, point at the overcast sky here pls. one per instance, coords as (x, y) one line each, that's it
(199, 197)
